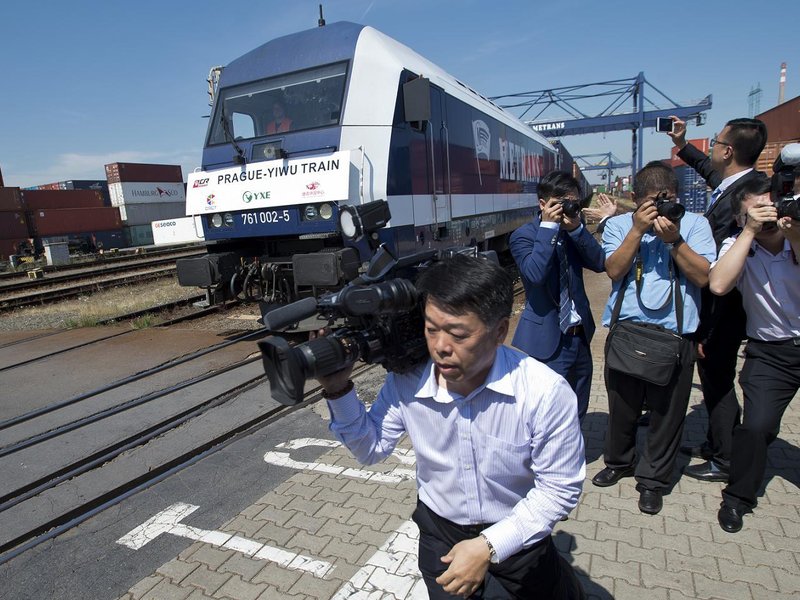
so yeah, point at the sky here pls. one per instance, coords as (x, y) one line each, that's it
(89, 82)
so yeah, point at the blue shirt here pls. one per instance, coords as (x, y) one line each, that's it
(655, 280)
(510, 453)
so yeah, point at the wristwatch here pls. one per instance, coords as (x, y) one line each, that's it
(673, 245)
(492, 552)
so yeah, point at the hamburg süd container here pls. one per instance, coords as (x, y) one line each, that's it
(144, 192)
(144, 214)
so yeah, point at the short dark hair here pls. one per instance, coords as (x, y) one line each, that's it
(558, 184)
(653, 178)
(462, 284)
(747, 139)
(755, 186)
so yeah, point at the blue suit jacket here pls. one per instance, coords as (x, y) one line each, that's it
(534, 251)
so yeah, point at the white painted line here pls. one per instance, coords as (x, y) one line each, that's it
(169, 521)
(283, 459)
(391, 570)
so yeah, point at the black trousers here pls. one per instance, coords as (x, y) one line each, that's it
(770, 378)
(667, 405)
(718, 372)
(536, 573)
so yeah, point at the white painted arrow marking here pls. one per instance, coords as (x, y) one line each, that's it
(282, 459)
(169, 521)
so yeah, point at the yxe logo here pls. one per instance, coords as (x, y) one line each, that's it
(249, 196)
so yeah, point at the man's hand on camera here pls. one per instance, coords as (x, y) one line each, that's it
(759, 215)
(553, 211)
(469, 561)
(571, 223)
(334, 382)
(678, 133)
(644, 217)
(790, 229)
(667, 231)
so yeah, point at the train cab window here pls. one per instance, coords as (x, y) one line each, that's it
(292, 102)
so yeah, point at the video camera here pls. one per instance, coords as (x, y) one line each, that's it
(667, 207)
(785, 169)
(376, 318)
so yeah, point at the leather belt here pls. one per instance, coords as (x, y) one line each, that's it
(574, 330)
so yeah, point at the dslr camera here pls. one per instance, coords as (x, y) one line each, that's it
(668, 207)
(571, 208)
(786, 169)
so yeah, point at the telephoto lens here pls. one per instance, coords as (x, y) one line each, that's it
(572, 208)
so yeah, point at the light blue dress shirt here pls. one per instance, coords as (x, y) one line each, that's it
(696, 232)
(511, 453)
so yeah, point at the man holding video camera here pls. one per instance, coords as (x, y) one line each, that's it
(734, 153)
(551, 252)
(658, 259)
(762, 262)
(499, 450)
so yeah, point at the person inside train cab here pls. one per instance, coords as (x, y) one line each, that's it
(280, 122)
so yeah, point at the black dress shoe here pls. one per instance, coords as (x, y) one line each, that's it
(702, 451)
(650, 502)
(706, 471)
(609, 476)
(730, 519)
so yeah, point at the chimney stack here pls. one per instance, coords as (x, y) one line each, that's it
(782, 88)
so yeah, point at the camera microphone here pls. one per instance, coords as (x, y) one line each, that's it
(282, 317)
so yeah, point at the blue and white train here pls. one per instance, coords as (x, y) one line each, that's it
(364, 118)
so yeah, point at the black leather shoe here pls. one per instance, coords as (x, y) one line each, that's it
(702, 451)
(609, 476)
(650, 502)
(730, 519)
(706, 471)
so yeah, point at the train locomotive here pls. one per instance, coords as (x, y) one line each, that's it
(324, 121)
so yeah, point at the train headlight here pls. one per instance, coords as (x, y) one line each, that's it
(326, 211)
(365, 219)
(310, 212)
(269, 151)
(216, 220)
(228, 218)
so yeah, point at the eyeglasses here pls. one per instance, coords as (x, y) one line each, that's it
(715, 141)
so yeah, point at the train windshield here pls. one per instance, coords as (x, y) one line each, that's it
(293, 102)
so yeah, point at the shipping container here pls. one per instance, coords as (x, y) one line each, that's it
(125, 193)
(9, 247)
(10, 199)
(120, 172)
(178, 230)
(701, 144)
(692, 189)
(13, 225)
(61, 199)
(139, 235)
(99, 185)
(144, 214)
(106, 240)
(47, 222)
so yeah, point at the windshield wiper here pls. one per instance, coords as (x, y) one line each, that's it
(238, 158)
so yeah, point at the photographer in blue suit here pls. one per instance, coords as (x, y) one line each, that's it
(551, 252)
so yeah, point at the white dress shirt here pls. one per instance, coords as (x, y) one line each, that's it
(510, 453)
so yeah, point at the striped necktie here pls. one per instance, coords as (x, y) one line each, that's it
(564, 304)
(714, 196)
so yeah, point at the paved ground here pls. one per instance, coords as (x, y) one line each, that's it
(335, 530)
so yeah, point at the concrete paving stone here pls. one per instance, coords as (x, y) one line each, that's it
(678, 562)
(715, 589)
(305, 522)
(176, 569)
(779, 497)
(331, 496)
(652, 556)
(597, 588)
(274, 514)
(624, 591)
(581, 561)
(651, 540)
(389, 491)
(788, 561)
(304, 506)
(393, 522)
(758, 592)
(302, 491)
(274, 534)
(356, 486)
(304, 478)
(207, 580)
(329, 482)
(342, 531)
(242, 565)
(764, 523)
(212, 557)
(319, 589)
(653, 577)
(274, 575)
(587, 529)
(676, 595)
(238, 588)
(273, 499)
(782, 512)
(304, 542)
(198, 595)
(363, 502)
(655, 523)
(603, 515)
(762, 576)
(242, 525)
(628, 505)
(775, 542)
(729, 551)
(748, 536)
(630, 572)
(787, 581)
(606, 549)
(397, 507)
(371, 519)
(349, 551)
(143, 586)
(699, 529)
(676, 510)
(629, 535)
(589, 497)
(187, 553)
(164, 590)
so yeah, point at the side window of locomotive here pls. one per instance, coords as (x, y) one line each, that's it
(243, 126)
